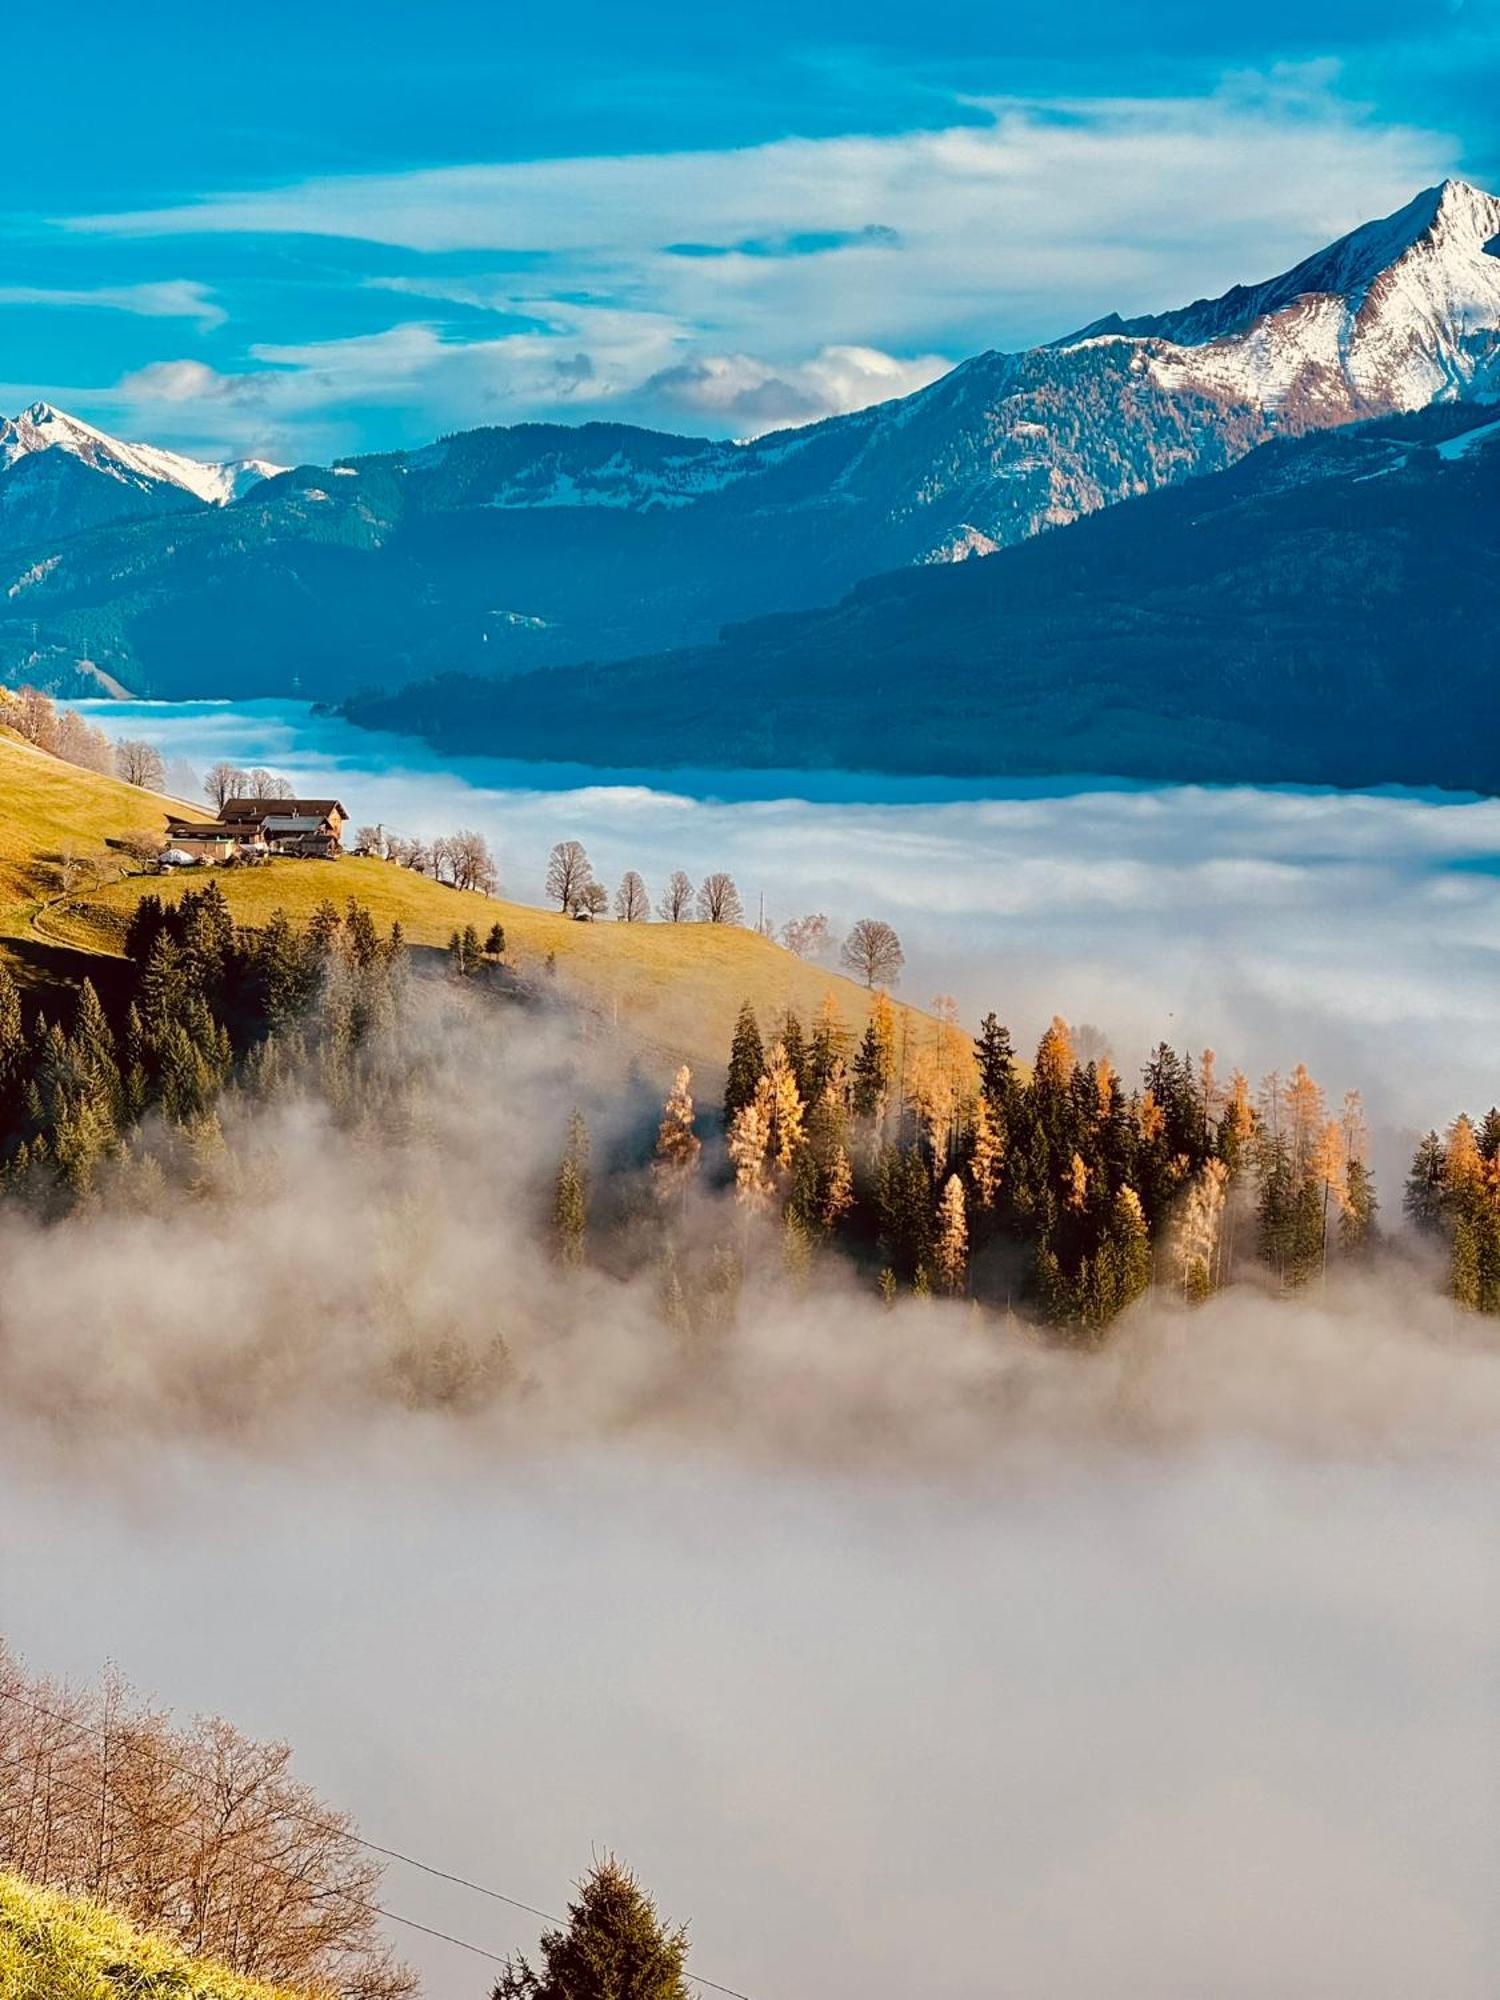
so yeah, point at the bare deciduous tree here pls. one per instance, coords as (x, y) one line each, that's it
(569, 870)
(200, 1834)
(676, 899)
(632, 904)
(36, 718)
(471, 862)
(224, 781)
(370, 841)
(79, 742)
(140, 763)
(719, 900)
(806, 936)
(262, 784)
(592, 900)
(141, 849)
(872, 952)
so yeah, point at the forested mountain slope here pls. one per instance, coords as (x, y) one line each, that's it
(1324, 612)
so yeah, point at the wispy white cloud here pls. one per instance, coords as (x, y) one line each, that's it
(753, 396)
(775, 283)
(173, 298)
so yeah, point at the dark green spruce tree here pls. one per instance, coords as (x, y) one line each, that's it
(613, 1947)
(747, 1060)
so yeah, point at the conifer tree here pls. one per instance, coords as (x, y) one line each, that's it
(794, 1044)
(93, 1052)
(13, 1049)
(1055, 1060)
(749, 1139)
(570, 1195)
(494, 944)
(986, 1153)
(747, 1061)
(875, 1064)
(823, 1052)
(904, 1209)
(613, 1947)
(323, 930)
(996, 1058)
(1423, 1196)
(1357, 1228)
(1134, 1244)
(838, 1192)
(678, 1146)
(782, 1108)
(951, 1248)
(361, 939)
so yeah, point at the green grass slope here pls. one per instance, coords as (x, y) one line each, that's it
(57, 1947)
(670, 991)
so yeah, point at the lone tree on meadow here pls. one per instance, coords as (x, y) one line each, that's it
(719, 900)
(676, 899)
(140, 763)
(615, 1947)
(872, 952)
(632, 904)
(569, 871)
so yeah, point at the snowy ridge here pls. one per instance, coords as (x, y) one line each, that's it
(1398, 314)
(43, 428)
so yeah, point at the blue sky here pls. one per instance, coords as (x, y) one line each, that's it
(324, 228)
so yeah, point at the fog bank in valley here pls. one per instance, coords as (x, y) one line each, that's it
(902, 1651)
(1356, 932)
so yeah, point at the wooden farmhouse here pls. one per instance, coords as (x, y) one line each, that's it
(309, 827)
(255, 829)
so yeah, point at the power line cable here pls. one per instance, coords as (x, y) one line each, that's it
(372, 1846)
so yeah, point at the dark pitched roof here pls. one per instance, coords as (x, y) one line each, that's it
(257, 809)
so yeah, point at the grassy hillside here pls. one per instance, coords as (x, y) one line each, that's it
(671, 989)
(49, 809)
(55, 1947)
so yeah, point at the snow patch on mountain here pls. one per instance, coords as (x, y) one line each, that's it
(1467, 441)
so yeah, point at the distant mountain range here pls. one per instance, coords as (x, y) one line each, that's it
(1327, 611)
(498, 552)
(59, 477)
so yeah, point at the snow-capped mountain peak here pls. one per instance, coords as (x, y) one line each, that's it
(1401, 312)
(43, 428)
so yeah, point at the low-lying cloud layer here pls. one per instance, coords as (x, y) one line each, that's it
(895, 1648)
(1357, 933)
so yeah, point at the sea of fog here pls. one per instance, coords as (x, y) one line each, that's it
(1359, 933)
(1151, 1728)
(1122, 1710)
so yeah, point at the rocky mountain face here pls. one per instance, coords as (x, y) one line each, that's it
(1324, 612)
(499, 551)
